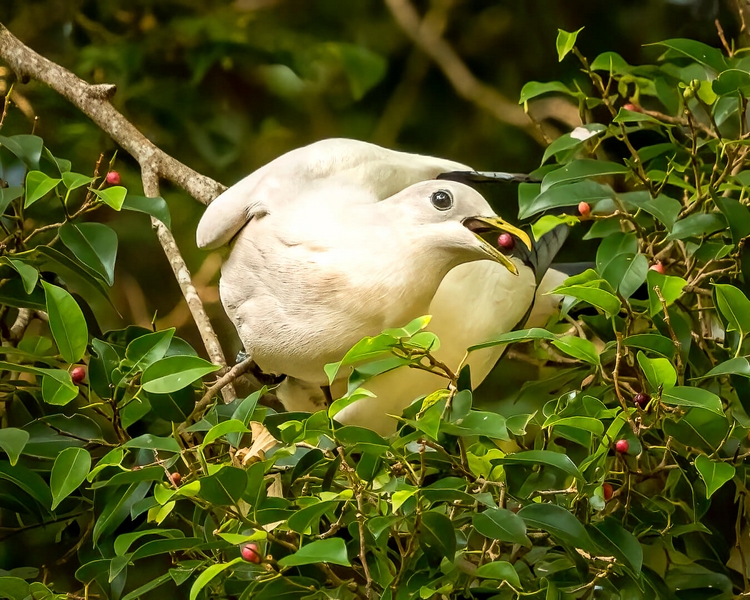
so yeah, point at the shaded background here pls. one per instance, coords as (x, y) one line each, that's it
(227, 85)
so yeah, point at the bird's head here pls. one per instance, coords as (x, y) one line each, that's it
(457, 217)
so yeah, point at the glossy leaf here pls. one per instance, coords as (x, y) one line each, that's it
(501, 524)
(567, 194)
(558, 522)
(658, 371)
(66, 322)
(579, 348)
(543, 457)
(501, 570)
(38, 185)
(735, 307)
(565, 42)
(156, 207)
(94, 244)
(69, 471)
(693, 397)
(225, 487)
(669, 286)
(330, 550)
(12, 441)
(623, 544)
(112, 196)
(714, 473)
(174, 373)
(437, 536)
(208, 575)
(147, 349)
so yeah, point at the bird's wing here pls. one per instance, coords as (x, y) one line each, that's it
(341, 161)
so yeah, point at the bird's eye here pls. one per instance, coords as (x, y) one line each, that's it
(442, 199)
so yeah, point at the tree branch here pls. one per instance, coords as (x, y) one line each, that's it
(93, 101)
(461, 78)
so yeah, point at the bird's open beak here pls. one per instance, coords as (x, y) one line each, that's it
(479, 225)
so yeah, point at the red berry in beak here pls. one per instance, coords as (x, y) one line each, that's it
(506, 241)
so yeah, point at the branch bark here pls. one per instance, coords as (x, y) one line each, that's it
(93, 101)
(429, 40)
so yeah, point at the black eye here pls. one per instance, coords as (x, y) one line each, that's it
(442, 199)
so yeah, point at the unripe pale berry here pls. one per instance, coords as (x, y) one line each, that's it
(77, 374)
(641, 399)
(113, 178)
(584, 209)
(251, 553)
(622, 446)
(607, 490)
(506, 241)
(658, 267)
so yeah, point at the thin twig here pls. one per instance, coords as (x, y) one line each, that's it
(221, 383)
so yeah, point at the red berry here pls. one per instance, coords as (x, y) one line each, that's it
(607, 491)
(251, 553)
(632, 107)
(176, 478)
(506, 241)
(622, 446)
(584, 208)
(113, 178)
(658, 267)
(77, 374)
(641, 400)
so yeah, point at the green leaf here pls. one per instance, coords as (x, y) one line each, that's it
(28, 480)
(544, 457)
(156, 207)
(139, 592)
(734, 307)
(222, 429)
(582, 169)
(501, 570)
(669, 286)
(599, 298)
(14, 588)
(206, 576)
(579, 348)
(29, 275)
(147, 349)
(558, 522)
(570, 140)
(522, 335)
(66, 322)
(697, 225)
(611, 62)
(95, 245)
(38, 185)
(623, 544)
(112, 196)
(12, 441)
(309, 516)
(152, 442)
(693, 397)
(331, 550)
(58, 388)
(714, 473)
(570, 194)
(548, 222)
(565, 42)
(174, 373)
(664, 209)
(7, 195)
(437, 537)
(73, 181)
(653, 342)
(731, 82)
(532, 89)
(698, 51)
(658, 372)
(477, 422)
(503, 525)
(225, 487)
(589, 424)
(28, 148)
(630, 116)
(733, 366)
(117, 509)
(69, 471)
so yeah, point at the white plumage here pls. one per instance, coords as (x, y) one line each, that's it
(338, 240)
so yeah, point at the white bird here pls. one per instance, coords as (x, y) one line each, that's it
(304, 202)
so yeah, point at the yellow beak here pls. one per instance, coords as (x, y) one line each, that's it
(479, 225)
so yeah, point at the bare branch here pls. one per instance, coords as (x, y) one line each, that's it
(236, 371)
(182, 274)
(428, 38)
(93, 101)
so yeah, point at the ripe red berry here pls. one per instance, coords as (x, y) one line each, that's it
(251, 553)
(77, 374)
(607, 491)
(113, 178)
(641, 400)
(506, 241)
(584, 209)
(632, 107)
(622, 446)
(658, 267)
(176, 478)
